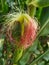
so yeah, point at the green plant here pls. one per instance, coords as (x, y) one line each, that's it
(38, 53)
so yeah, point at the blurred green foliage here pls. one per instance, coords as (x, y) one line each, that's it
(38, 53)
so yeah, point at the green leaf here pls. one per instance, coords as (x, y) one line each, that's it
(25, 59)
(44, 15)
(39, 3)
(45, 29)
(41, 63)
(44, 20)
(46, 57)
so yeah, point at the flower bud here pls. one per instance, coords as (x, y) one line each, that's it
(22, 30)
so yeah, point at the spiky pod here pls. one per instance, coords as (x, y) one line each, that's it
(22, 30)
